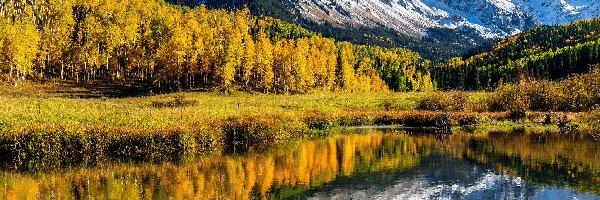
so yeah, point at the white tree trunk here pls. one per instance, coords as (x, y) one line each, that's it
(62, 71)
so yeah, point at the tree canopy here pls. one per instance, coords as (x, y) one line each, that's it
(166, 47)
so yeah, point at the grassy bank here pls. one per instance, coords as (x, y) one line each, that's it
(63, 124)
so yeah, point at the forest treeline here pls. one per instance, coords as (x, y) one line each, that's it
(154, 44)
(167, 47)
(545, 52)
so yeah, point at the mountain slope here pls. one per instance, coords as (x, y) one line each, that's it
(545, 52)
(419, 24)
(555, 12)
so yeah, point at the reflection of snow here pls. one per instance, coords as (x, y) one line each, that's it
(422, 189)
(489, 186)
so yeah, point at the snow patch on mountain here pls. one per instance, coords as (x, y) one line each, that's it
(488, 18)
(555, 12)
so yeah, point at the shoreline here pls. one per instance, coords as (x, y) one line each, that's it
(48, 148)
(45, 125)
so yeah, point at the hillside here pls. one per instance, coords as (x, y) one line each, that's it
(434, 28)
(545, 52)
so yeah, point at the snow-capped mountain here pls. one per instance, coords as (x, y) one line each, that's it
(488, 18)
(555, 12)
(435, 28)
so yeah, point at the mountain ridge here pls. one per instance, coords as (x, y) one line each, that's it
(419, 25)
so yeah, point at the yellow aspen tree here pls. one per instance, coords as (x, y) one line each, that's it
(19, 49)
(362, 72)
(232, 53)
(345, 72)
(287, 77)
(418, 84)
(180, 46)
(318, 62)
(195, 46)
(331, 54)
(264, 64)
(280, 79)
(56, 34)
(206, 38)
(242, 31)
(377, 84)
(300, 65)
(309, 77)
(249, 60)
(428, 83)
(4, 63)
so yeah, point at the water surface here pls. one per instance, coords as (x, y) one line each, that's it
(358, 164)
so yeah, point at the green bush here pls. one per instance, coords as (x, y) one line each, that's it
(398, 104)
(178, 101)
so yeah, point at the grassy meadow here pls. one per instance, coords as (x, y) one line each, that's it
(49, 124)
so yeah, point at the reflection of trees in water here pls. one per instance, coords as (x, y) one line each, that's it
(275, 173)
(546, 159)
(542, 158)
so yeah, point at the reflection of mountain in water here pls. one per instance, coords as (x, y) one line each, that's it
(375, 164)
(442, 177)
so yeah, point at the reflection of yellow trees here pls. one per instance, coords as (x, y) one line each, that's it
(305, 164)
(300, 165)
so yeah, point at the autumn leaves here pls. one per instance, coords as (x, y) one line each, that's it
(146, 43)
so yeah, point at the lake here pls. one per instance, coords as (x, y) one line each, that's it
(353, 164)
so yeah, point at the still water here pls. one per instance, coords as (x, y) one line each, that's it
(357, 164)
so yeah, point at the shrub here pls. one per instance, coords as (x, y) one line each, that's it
(543, 95)
(512, 98)
(581, 92)
(577, 93)
(509, 98)
(591, 123)
(450, 101)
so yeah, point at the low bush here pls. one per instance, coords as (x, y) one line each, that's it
(446, 101)
(511, 97)
(544, 95)
(591, 124)
(577, 93)
(582, 92)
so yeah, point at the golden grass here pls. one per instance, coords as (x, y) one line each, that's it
(34, 125)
